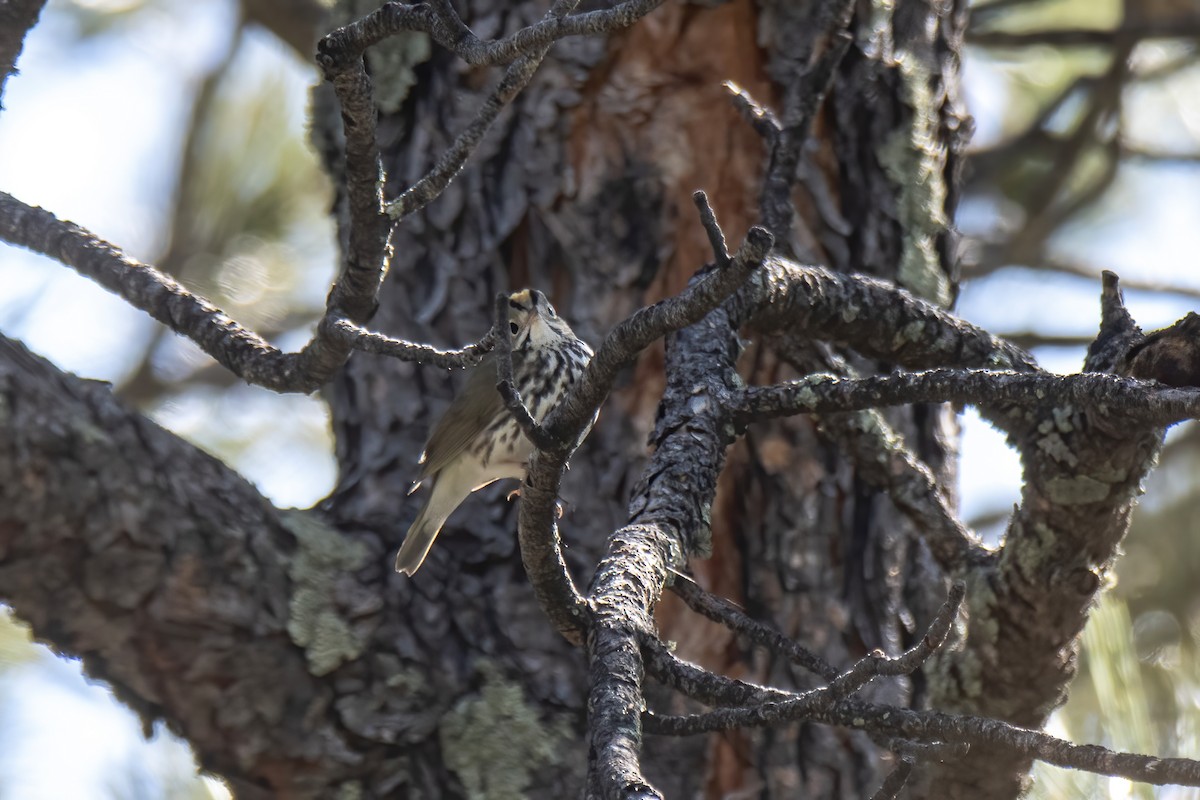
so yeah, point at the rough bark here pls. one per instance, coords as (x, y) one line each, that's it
(167, 574)
(281, 644)
(583, 189)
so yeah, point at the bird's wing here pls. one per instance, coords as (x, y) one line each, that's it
(474, 408)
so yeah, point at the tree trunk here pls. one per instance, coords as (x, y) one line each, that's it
(583, 190)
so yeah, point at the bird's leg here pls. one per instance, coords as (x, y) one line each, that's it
(558, 504)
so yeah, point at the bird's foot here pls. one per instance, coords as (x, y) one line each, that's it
(559, 508)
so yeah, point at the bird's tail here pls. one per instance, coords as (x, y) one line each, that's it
(425, 528)
(417, 543)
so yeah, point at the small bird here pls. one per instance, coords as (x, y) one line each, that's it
(477, 441)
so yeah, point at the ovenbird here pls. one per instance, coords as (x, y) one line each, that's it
(477, 441)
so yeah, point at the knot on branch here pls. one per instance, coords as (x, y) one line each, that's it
(1118, 332)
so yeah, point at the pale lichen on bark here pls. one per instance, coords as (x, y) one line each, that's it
(914, 157)
(396, 60)
(496, 742)
(314, 620)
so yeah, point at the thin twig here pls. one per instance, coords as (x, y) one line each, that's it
(720, 610)
(768, 710)
(444, 27)
(506, 384)
(712, 229)
(894, 782)
(942, 730)
(377, 344)
(878, 665)
(758, 116)
(788, 131)
(541, 551)
(451, 162)
(701, 684)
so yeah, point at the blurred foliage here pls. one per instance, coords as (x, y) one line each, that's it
(1078, 112)
(248, 226)
(16, 642)
(251, 201)
(1090, 87)
(94, 18)
(161, 767)
(1038, 15)
(249, 229)
(1138, 691)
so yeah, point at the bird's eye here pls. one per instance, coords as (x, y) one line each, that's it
(550, 309)
(512, 326)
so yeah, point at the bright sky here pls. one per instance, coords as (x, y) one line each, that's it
(64, 737)
(90, 132)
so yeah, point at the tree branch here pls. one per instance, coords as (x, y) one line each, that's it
(1083, 463)
(874, 317)
(171, 577)
(507, 385)
(17, 18)
(804, 705)
(933, 727)
(1139, 403)
(366, 250)
(376, 343)
(238, 349)
(353, 298)
(234, 347)
(538, 532)
(718, 609)
(990, 736)
(668, 510)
